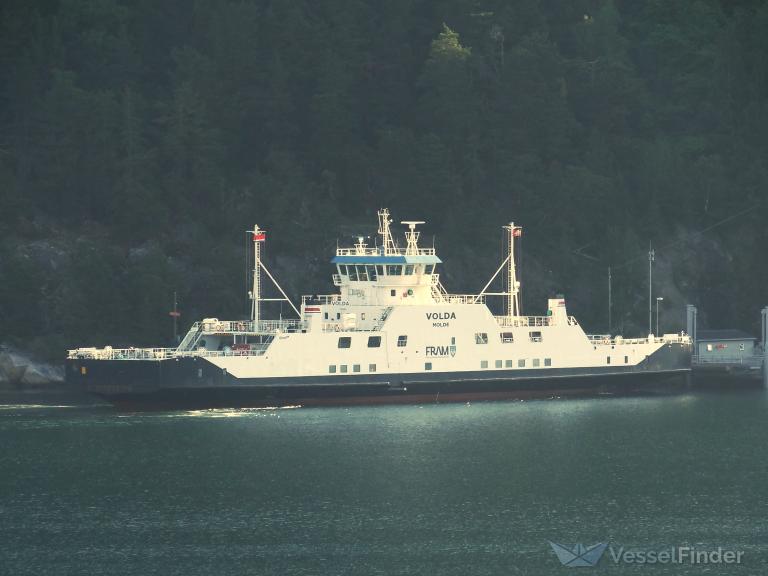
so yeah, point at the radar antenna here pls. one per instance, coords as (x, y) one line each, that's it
(412, 237)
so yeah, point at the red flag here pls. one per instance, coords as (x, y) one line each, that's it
(517, 232)
(259, 236)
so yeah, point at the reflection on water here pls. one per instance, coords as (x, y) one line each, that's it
(474, 488)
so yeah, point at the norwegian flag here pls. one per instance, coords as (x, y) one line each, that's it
(259, 236)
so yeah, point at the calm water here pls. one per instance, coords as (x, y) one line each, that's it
(442, 489)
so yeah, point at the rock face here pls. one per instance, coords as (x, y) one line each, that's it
(19, 370)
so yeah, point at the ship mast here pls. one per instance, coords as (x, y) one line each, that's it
(513, 286)
(390, 248)
(258, 237)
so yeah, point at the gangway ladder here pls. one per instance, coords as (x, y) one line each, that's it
(191, 338)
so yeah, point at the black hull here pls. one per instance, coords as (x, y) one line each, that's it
(196, 383)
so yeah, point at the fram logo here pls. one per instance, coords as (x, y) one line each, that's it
(579, 554)
(440, 351)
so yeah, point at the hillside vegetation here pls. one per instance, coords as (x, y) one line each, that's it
(139, 140)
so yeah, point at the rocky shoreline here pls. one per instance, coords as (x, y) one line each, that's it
(18, 370)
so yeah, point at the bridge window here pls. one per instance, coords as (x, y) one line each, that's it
(371, 272)
(362, 274)
(356, 368)
(379, 270)
(371, 367)
(374, 341)
(498, 363)
(394, 270)
(481, 338)
(332, 369)
(409, 269)
(343, 269)
(345, 342)
(535, 336)
(429, 268)
(427, 365)
(402, 341)
(352, 274)
(507, 337)
(548, 361)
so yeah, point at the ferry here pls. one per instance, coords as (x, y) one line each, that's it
(392, 333)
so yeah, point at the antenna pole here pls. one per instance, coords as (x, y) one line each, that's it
(609, 300)
(175, 318)
(513, 286)
(386, 236)
(258, 237)
(651, 258)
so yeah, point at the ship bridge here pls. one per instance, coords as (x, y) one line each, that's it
(388, 275)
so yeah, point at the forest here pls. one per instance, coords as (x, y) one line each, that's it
(139, 140)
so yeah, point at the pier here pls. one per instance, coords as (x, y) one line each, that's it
(728, 356)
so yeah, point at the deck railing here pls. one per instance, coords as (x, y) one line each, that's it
(608, 340)
(313, 299)
(524, 321)
(250, 327)
(377, 251)
(464, 298)
(109, 353)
